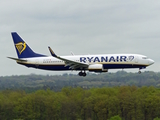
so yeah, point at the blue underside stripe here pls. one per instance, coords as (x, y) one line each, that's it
(62, 67)
(120, 66)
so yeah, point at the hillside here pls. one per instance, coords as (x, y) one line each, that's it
(57, 82)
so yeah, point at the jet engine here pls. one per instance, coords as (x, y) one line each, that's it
(97, 68)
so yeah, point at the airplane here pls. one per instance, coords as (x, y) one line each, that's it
(92, 63)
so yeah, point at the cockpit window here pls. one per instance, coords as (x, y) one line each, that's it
(144, 57)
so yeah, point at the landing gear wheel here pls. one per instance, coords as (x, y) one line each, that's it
(139, 70)
(82, 74)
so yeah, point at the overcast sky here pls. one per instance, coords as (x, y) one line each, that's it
(81, 26)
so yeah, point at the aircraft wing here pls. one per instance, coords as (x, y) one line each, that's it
(73, 64)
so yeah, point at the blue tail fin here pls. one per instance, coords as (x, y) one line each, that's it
(23, 50)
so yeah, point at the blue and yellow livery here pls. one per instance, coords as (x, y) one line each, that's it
(82, 63)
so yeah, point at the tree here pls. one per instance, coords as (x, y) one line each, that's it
(156, 118)
(115, 118)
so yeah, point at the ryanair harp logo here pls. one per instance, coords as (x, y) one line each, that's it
(130, 58)
(20, 47)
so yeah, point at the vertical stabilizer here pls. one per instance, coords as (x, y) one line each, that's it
(23, 50)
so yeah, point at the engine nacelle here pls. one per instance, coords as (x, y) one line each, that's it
(97, 68)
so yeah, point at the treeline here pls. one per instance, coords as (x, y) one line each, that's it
(116, 103)
(33, 82)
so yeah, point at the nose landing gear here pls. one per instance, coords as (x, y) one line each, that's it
(82, 73)
(139, 71)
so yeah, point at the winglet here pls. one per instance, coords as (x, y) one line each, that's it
(72, 53)
(52, 53)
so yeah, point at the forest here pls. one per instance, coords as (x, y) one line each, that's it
(106, 103)
(109, 96)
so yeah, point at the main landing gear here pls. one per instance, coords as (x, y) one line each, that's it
(82, 74)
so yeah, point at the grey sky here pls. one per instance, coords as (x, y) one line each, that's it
(84, 27)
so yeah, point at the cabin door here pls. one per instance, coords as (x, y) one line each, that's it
(136, 59)
(37, 63)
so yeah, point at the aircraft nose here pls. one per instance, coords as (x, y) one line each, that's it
(151, 61)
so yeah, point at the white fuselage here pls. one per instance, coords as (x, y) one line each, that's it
(95, 63)
(108, 61)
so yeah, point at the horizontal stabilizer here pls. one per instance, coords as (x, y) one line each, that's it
(17, 59)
